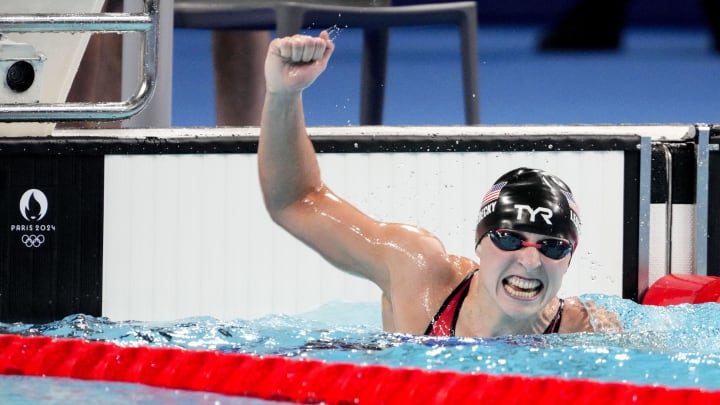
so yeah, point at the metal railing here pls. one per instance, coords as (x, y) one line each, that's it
(145, 23)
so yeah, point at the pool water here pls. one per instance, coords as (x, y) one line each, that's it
(15, 390)
(676, 346)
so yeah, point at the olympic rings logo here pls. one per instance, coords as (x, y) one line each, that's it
(33, 240)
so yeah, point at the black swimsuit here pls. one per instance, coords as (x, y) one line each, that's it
(444, 322)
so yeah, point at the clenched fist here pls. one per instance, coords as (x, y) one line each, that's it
(293, 63)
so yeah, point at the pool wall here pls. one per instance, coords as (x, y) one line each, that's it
(165, 224)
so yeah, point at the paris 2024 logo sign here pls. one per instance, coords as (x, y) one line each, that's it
(33, 208)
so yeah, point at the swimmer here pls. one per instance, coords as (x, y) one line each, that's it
(527, 231)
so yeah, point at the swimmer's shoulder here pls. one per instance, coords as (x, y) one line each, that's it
(575, 317)
(410, 243)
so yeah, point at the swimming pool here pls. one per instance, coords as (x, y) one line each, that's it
(676, 347)
(672, 349)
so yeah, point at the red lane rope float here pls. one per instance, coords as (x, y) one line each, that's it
(312, 381)
(683, 288)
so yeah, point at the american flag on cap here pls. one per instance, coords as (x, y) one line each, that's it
(571, 201)
(493, 193)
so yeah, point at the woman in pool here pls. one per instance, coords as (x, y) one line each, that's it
(526, 234)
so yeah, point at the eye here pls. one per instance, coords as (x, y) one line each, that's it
(506, 240)
(555, 248)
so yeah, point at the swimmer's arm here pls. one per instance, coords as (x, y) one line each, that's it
(292, 188)
(603, 320)
(581, 316)
(287, 164)
(358, 244)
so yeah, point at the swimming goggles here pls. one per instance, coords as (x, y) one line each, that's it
(509, 241)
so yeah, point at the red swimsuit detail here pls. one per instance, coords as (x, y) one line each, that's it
(444, 322)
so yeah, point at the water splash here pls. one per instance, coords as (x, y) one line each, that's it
(334, 31)
(677, 346)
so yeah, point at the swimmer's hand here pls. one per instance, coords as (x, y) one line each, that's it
(293, 63)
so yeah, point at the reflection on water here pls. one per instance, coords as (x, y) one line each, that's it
(677, 346)
(16, 390)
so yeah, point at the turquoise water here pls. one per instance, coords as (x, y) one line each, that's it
(16, 390)
(677, 346)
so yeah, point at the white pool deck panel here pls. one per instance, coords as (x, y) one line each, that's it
(188, 234)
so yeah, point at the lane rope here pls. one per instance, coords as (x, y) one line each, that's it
(312, 381)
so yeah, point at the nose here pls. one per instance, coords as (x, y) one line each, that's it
(529, 256)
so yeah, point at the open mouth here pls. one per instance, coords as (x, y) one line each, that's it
(522, 288)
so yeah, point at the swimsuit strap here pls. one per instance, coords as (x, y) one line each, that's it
(443, 323)
(554, 325)
(445, 320)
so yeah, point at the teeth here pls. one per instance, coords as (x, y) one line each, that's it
(521, 287)
(523, 283)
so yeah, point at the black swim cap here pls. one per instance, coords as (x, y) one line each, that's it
(530, 200)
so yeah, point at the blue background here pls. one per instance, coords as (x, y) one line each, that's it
(664, 72)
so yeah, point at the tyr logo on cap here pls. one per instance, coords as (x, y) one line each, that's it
(545, 213)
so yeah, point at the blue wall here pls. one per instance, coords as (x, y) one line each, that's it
(639, 12)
